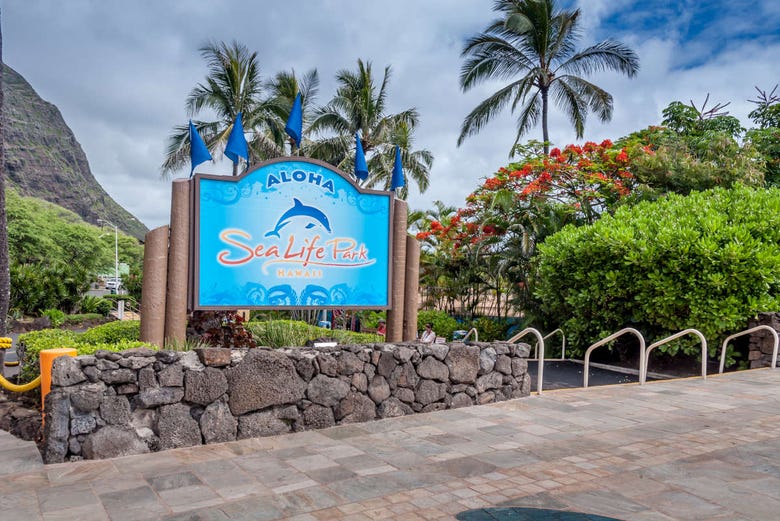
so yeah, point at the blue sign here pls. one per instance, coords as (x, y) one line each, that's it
(290, 234)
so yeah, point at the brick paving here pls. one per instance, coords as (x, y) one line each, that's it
(671, 450)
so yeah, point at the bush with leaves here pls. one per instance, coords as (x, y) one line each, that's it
(55, 316)
(54, 254)
(681, 163)
(220, 329)
(708, 261)
(112, 332)
(81, 318)
(296, 333)
(443, 324)
(94, 304)
(490, 329)
(31, 344)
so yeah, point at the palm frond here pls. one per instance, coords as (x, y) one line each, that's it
(529, 115)
(570, 99)
(485, 111)
(594, 97)
(606, 55)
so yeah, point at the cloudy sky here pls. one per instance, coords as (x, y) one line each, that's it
(120, 71)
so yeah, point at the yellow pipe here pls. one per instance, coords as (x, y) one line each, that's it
(20, 388)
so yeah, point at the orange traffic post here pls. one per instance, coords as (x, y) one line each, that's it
(47, 359)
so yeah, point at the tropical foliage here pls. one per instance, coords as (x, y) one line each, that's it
(295, 333)
(360, 105)
(54, 255)
(114, 336)
(233, 84)
(533, 44)
(488, 250)
(707, 261)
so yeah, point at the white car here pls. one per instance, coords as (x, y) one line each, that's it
(113, 283)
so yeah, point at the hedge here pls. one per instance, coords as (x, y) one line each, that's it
(113, 336)
(709, 260)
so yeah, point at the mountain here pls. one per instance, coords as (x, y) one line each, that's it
(44, 160)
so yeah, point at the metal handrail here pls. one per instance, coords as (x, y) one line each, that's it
(745, 332)
(540, 338)
(476, 335)
(563, 344)
(675, 337)
(610, 338)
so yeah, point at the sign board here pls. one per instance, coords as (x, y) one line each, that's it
(292, 233)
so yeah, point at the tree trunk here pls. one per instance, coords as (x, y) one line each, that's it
(5, 277)
(545, 133)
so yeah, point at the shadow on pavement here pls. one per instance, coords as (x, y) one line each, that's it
(567, 374)
(527, 514)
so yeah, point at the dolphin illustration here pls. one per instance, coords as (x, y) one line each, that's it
(300, 210)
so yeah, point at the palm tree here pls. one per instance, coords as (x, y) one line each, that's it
(360, 106)
(232, 85)
(283, 88)
(533, 44)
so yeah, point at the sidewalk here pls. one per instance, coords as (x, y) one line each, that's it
(671, 450)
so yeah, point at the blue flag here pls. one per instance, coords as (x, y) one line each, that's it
(294, 127)
(398, 171)
(198, 151)
(361, 168)
(236, 143)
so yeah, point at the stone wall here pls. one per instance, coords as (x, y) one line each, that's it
(762, 342)
(137, 401)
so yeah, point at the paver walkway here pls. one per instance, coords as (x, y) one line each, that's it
(682, 449)
(17, 456)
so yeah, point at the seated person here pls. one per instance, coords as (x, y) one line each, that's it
(380, 328)
(428, 336)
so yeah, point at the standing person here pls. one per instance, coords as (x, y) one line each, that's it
(380, 328)
(428, 336)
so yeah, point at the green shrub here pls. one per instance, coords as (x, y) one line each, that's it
(93, 304)
(112, 332)
(31, 344)
(490, 329)
(343, 336)
(294, 333)
(56, 317)
(443, 324)
(282, 333)
(80, 318)
(708, 261)
(370, 319)
(122, 345)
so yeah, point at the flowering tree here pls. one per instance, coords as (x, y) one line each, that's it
(486, 247)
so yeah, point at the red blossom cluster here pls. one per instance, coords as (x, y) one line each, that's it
(594, 173)
(587, 178)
